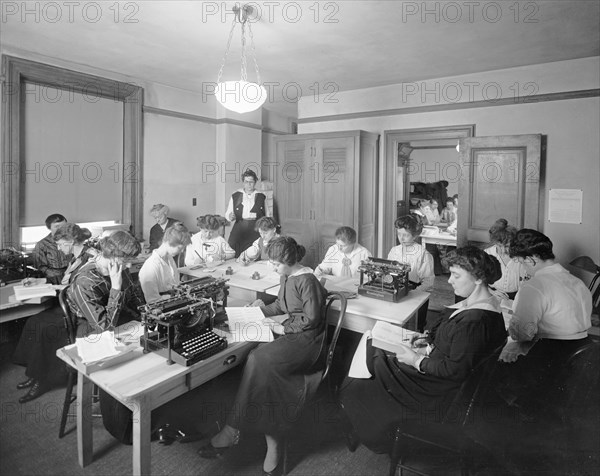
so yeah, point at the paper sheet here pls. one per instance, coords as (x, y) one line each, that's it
(358, 368)
(96, 347)
(391, 337)
(246, 324)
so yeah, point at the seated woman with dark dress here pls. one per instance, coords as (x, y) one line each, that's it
(418, 383)
(46, 257)
(268, 229)
(274, 386)
(45, 332)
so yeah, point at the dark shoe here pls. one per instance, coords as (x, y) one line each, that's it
(352, 440)
(166, 435)
(25, 384)
(276, 471)
(35, 391)
(232, 437)
(209, 451)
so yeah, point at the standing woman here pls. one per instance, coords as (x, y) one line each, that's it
(45, 332)
(268, 230)
(159, 274)
(273, 387)
(513, 272)
(419, 383)
(246, 205)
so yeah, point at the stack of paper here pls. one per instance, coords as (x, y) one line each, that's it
(390, 337)
(23, 293)
(246, 324)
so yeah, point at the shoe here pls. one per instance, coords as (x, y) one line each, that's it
(352, 440)
(25, 384)
(209, 451)
(35, 391)
(276, 471)
(166, 435)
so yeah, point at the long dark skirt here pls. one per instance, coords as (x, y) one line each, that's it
(43, 334)
(394, 395)
(242, 235)
(276, 379)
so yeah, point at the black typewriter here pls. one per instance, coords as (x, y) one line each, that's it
(384, 279)
(180, 327)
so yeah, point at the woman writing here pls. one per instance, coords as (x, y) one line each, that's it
(273, 385)
(343, 258)
(207, 246)
(159, 274)
(416, 383)
(268, 230)
(45, 332)
(245, 207)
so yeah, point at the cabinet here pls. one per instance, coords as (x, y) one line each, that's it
(324, 181)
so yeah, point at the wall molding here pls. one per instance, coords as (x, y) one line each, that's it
(566, 95)
(208, 120)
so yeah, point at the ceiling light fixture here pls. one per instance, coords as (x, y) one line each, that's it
(241, 96)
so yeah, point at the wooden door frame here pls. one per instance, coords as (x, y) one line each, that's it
(392, 138)
(17, 71)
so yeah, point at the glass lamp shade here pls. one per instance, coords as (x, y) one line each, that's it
(240, 96)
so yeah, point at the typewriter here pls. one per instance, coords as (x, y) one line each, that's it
(383, 279)
(179, 327)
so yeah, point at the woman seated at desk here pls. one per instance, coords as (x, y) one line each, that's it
(409, 227)
(343, 258)
(268, 230)
(208, 246)
(45, 332)
(101, 297)
(273, 384)
(513, 272)
(159, 274)
(418, 383)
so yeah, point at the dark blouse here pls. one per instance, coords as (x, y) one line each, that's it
(48, 259)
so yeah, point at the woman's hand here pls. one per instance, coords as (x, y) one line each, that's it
(419, 340)
(116, 279)
(231, 216)
(257, 303)
(274, 325)
(406, 355)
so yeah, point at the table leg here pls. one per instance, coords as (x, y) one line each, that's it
(141, 438)
(85, 436)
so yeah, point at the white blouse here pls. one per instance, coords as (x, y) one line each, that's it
(420, 262)
(158, 275)
(200, 251)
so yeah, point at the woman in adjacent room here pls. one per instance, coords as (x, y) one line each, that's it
(419, 382)
(343, 258)
(273, 385)
(159, 274)
(513, 272)
(268, 230)
(45, 333)
(551, 316)
(424, 211)
(421, 275)
(208, 246)
(448, 212)
(246, 205)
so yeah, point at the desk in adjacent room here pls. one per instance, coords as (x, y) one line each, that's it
(363, 312)
(242, 286)
(439, 238)
(142, 383)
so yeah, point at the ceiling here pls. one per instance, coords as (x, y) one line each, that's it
(304, 46)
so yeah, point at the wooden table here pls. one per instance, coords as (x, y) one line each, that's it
(242, 286)
(363, 312)
(439, 238)
(142, 384)
(11, 309)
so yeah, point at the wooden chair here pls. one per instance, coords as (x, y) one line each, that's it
(449, 434)
(72, 373)
(316, 380)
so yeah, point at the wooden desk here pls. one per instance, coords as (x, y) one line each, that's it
(440, 238)
(142, 384)
(242, 286)
(362, 312)
(11, 309)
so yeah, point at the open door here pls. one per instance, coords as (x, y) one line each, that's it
(500, 178)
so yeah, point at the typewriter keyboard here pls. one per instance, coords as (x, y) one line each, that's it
(200, 345)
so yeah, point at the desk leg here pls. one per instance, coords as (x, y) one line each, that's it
(141, 438)
(85, 436)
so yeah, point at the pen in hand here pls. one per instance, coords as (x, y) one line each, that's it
(198, 254)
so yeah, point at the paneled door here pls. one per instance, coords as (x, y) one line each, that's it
(500, 178)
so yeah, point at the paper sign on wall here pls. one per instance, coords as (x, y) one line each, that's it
(565, 205)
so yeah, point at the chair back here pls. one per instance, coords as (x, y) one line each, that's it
(67, 316)
(331, 298)
(473, 390)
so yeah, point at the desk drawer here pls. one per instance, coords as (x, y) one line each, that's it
(208, 369)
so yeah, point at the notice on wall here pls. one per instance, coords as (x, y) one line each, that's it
(565, 205)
